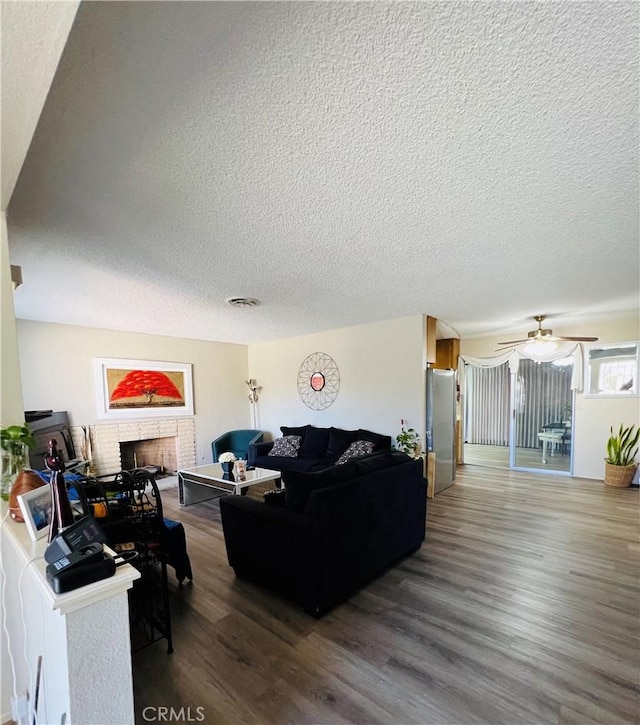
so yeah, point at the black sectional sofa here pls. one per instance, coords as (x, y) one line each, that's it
(333, 531)
(320, 448)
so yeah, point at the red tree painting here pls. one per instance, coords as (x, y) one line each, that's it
(147, 384)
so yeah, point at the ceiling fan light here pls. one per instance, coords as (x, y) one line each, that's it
(540, 347)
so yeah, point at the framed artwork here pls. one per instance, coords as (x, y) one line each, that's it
(318, 381)
(142, 388)
(36, 509)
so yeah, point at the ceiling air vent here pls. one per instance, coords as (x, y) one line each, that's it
(243, 302)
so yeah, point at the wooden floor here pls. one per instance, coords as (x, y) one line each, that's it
(498, 457)
(521, 607)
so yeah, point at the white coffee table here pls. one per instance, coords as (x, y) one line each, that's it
(202, 483)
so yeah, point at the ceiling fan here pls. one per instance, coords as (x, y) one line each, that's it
(544, 338)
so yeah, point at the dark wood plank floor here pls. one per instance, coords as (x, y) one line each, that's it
(521, 607)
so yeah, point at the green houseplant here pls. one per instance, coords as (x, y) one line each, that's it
(622, 449)
(408, 440)
(14, 441)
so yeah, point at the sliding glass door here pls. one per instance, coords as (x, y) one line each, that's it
(520, 420)
(542, 416)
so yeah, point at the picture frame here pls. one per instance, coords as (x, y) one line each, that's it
(128, 389)
(36, 507)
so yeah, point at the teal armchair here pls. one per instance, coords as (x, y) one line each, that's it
(236, 441)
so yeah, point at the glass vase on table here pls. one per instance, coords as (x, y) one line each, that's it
(14, 461)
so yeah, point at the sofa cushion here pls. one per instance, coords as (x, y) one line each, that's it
(378, 461)
(380, 442)
(315, 442)
(320, 464)
(299, 486)
(279, 463)
(294, 430)
(355, 450)
(339, 441)
(286, 447)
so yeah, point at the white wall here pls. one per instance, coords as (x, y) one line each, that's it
(593, 417)
(57, 373)
(381, 377)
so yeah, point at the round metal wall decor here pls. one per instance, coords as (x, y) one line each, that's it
(318, 381)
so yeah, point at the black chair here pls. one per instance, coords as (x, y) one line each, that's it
(128, 507)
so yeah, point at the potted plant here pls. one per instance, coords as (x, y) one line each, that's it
(14, 441)
(622, 449)
(408, 440)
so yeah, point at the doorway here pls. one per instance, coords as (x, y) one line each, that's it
(520, 419)
(486, 416)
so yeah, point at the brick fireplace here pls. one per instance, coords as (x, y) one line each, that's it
(172, 441)
(159, 453)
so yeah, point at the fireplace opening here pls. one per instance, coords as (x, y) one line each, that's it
(158, 455)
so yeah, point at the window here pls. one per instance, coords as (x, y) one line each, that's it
(612, 369)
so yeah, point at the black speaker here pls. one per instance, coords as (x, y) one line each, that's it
(81, 574)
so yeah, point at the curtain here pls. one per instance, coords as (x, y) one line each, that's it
(514, 357)
(486, 405)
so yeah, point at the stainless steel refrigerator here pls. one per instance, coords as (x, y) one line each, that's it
(441, 424)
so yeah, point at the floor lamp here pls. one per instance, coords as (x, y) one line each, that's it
(254, 389)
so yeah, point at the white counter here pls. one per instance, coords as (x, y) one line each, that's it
(83, 637)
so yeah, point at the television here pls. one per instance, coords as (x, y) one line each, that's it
(45, 425)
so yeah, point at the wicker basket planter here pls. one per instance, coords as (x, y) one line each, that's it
(618, 476)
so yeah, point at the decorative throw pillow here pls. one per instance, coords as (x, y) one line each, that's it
(289, 430)
(286, 447)
(314, 443)
(355, 450)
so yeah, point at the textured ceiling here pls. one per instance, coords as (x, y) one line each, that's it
(33, 37)
(342, 162)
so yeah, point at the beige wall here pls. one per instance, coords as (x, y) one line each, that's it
(11, 410)
(57, 373)
(381, 368)
(593, 417)
(381, 377)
